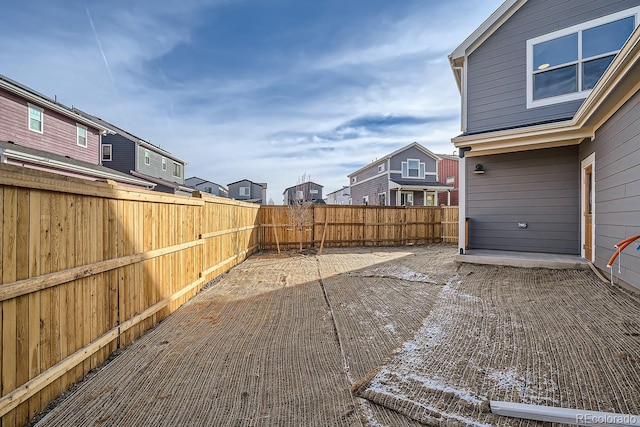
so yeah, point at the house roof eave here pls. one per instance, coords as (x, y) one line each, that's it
(41, 100)
(614, 88)
(487, 28)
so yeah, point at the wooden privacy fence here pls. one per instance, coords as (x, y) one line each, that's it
(336, 226)
(85, 268)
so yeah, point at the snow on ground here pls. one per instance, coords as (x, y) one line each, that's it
(494, 333)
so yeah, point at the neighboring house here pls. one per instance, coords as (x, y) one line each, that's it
(448, 173)
(248, 191)
(207, 186)
(550, 150)
(129, 154)
(40, 133)
(339, 197)
(406, 177)
(304, 192)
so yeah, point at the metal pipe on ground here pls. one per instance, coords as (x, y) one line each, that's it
(563, 415)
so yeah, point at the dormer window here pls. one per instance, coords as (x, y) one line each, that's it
(413, 168)
(565, 65)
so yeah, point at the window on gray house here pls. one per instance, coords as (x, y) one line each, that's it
(569, 62)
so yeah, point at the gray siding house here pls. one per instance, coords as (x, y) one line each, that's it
(550, 149)
(248, 191)
(207, 186)
(406, 177)
(124, 152)
(304, 192)
(339, 197)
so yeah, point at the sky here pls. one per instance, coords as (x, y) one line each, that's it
(265, 90)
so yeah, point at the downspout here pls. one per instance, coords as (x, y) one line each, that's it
(462, 200)
(563, 415)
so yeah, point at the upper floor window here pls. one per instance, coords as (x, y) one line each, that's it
(313, 191)
(147, 157)
(81, 135)
(244, 191)
(176, 170)
(36, 118)
(299, 195)
(413, 168)
(164, 163)
(565, 65)
(107, 152)
(354, 179)
(381, 168)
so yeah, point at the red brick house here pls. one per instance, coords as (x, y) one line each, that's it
(448, 174)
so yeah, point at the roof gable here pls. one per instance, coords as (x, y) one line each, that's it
(395, 153)
(482, 33)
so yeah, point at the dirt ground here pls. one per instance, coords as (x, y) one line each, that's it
(372, 337)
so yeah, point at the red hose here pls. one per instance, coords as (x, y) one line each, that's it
(620, 246)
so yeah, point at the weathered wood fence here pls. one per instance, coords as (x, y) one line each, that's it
(339, 226)
(86, 268)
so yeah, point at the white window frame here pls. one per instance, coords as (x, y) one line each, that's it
(365, 200)
(41, 111)
(177, 168)
(354, 179)
(147, 157)
(164, 163)
(531, 103)
(313, 191)
(80, 128)
(244, 191)
(382, 201)
(408, 198)
(421, 169)
(381, 168)
(110, 147)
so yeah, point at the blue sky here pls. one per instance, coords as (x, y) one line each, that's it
(266, 90)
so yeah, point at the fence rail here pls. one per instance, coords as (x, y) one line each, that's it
(341, 226)
(86, 268)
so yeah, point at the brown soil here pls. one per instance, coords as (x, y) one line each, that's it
(282, 340)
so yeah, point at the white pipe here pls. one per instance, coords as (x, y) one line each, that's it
(563, 415)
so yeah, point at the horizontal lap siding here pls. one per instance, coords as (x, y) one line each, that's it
(123, 153)
(369, 188)
(540, 188)
(154, 168)
(103, 265)
(59, 134)
(496, 75)
(617, 174)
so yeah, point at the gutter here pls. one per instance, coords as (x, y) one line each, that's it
(43, 161)
(58, 108)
